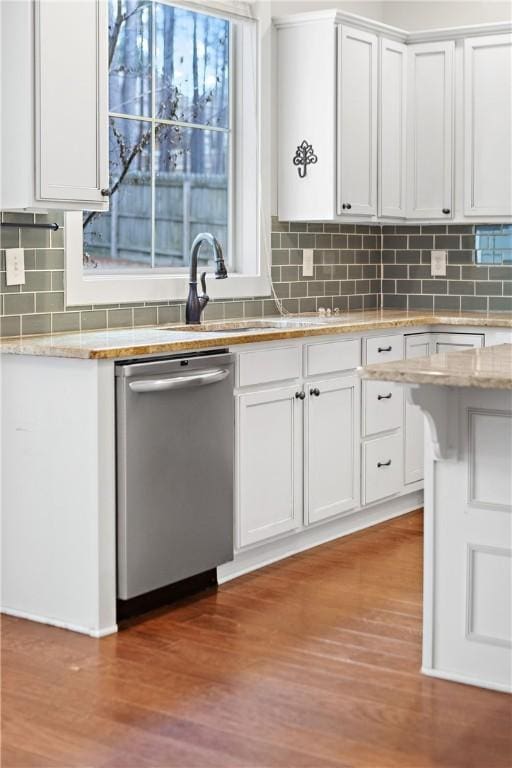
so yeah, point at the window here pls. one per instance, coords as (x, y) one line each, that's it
(493, 244)
(183, 157)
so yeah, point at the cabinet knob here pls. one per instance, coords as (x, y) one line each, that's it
(315, 392)
(384, 463)
(300, 395)
(446, 210)
(384, 349)
(105, 192)
(347, 206)
(385, 397)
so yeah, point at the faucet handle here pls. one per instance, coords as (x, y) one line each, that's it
(204, 299)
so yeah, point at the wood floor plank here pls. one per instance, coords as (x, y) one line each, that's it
(312, 662)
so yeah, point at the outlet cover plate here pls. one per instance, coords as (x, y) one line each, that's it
(438, 263)
(15, 266)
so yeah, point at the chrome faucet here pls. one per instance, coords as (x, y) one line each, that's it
(195, 303)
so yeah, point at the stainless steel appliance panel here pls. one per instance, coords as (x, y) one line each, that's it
(175, 433)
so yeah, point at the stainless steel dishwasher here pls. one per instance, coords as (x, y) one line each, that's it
(175, 431)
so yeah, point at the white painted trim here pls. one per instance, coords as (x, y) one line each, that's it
(109, 288)
(60, 624)
(341, 17)
(395, 33)
(458, 33)
(227, 9)
(250, 559)
(252, 217)
(455, 678)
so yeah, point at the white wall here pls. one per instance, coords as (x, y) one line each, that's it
(436, 14)
(373, 10)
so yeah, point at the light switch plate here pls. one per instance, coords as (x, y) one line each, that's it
(438, 264)
(15, 266)
(307, 262)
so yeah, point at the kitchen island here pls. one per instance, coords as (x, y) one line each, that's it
(466, 398)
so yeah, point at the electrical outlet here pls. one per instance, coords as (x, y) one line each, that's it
(307, 262)
(15, 266)
(438, 264)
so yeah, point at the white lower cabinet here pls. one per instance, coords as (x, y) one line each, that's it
(270, 450)
(331, 447)
(382, 467)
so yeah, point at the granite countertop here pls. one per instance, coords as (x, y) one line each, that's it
(484, 368)
(157, 340)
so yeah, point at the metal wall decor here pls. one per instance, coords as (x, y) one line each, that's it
(304, 156)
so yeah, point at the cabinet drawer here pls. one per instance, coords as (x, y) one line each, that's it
(382, 406)
(267, 365)
(382, 467)
(382, 348)
(332, 357)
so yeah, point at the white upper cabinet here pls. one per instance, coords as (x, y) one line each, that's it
(54, 104)
(71, 101)
(393, 128)
(357, 122)
(306, 88)
(396, 125)
(430, 139)
(488, 126)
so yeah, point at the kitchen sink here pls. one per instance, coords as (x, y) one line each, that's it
(246, 326)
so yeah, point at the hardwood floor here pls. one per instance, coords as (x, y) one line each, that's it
(313, 661)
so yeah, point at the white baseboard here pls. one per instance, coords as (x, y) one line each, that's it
(456, 678)
(269, 552)
(61, 624)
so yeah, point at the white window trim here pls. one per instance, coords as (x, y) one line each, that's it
(252, 223)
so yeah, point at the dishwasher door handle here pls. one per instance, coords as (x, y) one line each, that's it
(179, 382)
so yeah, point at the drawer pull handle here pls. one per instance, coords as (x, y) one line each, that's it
(315, 392)
(384, 463)
(385, 397)
(300, 395)
(384, 349)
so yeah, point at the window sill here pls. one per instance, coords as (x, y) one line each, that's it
(112, 289)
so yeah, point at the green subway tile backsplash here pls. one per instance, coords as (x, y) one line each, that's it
(356, 266)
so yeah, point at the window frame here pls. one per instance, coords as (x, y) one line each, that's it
(249, 250)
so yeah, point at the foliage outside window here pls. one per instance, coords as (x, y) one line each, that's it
(170, 137)
(493, 244)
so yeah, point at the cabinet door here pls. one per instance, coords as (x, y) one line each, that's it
(488, 126)
(393, 128)
(71, 67)
(269, 464)
(357, 121)
(331, 455)
(419, 345)
(430, 140)
(306, 99)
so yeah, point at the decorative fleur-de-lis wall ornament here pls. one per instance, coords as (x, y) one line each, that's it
(304, 156)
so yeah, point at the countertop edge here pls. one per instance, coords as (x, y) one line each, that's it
(23, 345)
(438, 380)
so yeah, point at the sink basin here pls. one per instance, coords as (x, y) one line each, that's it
(248, 326)
(221, 327)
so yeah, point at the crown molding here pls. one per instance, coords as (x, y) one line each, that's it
(386, 30)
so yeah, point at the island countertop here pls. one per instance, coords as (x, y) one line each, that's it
(484, 368)
(156, 340)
